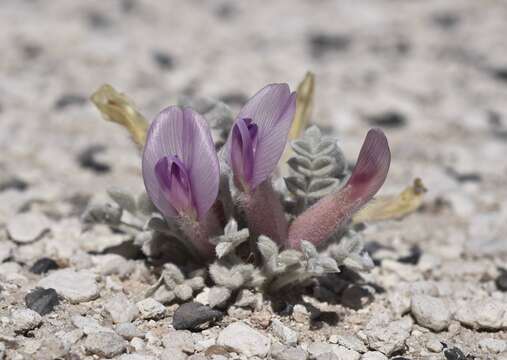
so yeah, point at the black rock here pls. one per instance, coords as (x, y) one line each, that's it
(388, 119)
(13, 183)
(43, 265)
(67, 100)
(87, 159)
(163, 60)
(501, 280)
(446, 20)
(413, 258)
(454, 353)
(400, 358)
(42, 300)
(321, 44)
(195, 317)
(499, 73)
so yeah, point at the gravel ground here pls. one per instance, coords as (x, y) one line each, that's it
(433, 74)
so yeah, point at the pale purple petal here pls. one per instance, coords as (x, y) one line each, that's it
(204, 168)
(371, 168)
(271, 144)
(272, 110)
(185, 134)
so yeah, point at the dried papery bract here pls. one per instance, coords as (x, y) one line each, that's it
(254, 147)
(181, 173)
(334, 211)
(116, 107)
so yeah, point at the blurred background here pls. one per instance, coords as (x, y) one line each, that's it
(432, 74)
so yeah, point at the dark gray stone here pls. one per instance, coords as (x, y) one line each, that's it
(42, 300)
(195, 317)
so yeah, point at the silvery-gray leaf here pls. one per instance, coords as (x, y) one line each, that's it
(325, 147)
(123, 199)
(163, 295)
(172, 271)
(223, 276)
(156, 223)
(231, 227)
(142, 237)
(328, 264)
(267, 247)
(231, 242)
(196, 283)
(103, 213)
(308, 249)
(324, 186)
(302, 148)
(144, 204)
(296, 185)
(227, 243)
(313, 266)
(299, 163)
(324, 166)
(290, 257)
(359, 262)
(183, 292)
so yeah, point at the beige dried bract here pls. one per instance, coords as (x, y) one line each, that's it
(394, 206)
(116, 107)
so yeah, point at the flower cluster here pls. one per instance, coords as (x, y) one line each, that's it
(187, 180)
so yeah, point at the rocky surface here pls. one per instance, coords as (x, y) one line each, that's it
(432, 74)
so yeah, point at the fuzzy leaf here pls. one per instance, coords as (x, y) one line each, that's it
(123, 199)
(296, 185)
(225, 277)
(300, 163)
(267, 247)
(290, 257)
(308, 249)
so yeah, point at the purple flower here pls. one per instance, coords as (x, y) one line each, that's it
(334, 211)
(259, 135)
(180, 165)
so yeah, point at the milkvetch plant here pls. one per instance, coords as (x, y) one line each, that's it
(213, 180)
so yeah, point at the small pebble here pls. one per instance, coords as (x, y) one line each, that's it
(244, 340)
(351, 342)
(454, 353)
(24, 320)
(430, 312)
(121, 309)
(67, 100)
(434, 345)
(373, 355)
(179, 340)
(27, 227)
(75, 286)
(107, 344)
(388, 119)
(501, 280)
(195, 317)
(151, 309)
(42, 300)
(88, 325)
(494, 346)
(128, 331)
(163, 60)
(281, 352)
(87, 159)
(284, 333)
(43, 265)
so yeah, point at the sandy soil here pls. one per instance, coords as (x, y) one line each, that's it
(433, 74)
